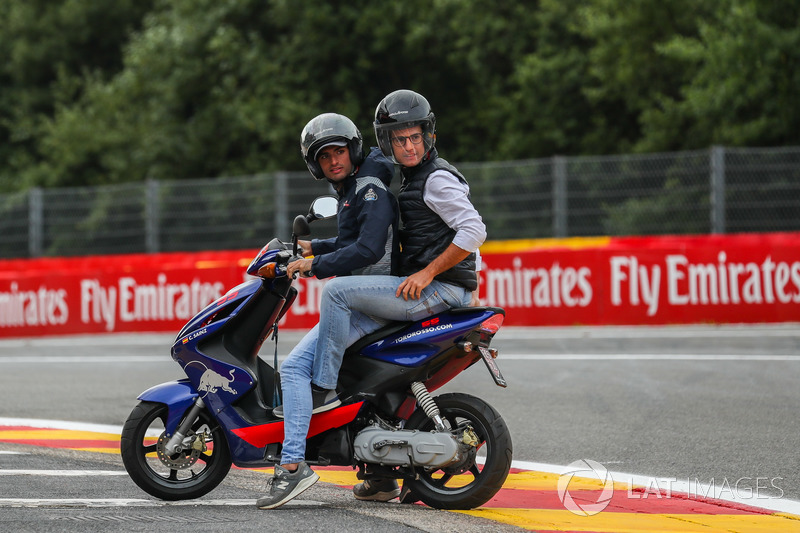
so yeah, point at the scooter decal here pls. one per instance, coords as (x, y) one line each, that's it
(194, 335)
(422, 332)
(210, 381)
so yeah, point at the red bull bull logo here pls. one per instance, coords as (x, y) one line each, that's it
(210, 382)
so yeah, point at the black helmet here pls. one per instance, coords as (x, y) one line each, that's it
(400, 110)
(326, 129)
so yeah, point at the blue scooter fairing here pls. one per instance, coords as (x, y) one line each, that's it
(177, 395)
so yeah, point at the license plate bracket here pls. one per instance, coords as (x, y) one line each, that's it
(494, 370)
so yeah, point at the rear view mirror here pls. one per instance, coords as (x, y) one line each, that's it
(300, 227)
(323, 207)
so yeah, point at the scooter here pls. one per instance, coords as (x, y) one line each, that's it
(451, 452)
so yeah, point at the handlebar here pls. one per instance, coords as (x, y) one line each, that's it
(279, 267)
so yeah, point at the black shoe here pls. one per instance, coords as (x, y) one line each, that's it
(285, 485)
(321, 400)
(378, 490)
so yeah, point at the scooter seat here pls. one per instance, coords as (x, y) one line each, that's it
(395, 327)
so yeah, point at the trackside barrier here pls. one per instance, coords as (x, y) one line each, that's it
(747, 278)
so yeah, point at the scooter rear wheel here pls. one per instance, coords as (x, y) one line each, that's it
(474, 482)
(182, 476)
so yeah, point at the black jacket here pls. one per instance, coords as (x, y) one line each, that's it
(425, 235)
(368, 218)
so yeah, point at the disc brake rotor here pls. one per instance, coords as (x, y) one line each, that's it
(180, 460)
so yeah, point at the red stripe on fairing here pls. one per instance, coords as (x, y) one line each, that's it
(622, 502)
(261, 435)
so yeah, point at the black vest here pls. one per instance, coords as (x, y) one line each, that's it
(425, 235)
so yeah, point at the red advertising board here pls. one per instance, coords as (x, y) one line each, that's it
(748, 278)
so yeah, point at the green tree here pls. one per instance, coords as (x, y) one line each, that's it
(48, 48)
(214, 88)
(547, 111)
(630, 76)
(99, 93)
(745, 62)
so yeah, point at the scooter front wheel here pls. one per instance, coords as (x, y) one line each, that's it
(189, 474)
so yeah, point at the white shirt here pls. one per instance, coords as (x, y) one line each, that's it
(447, 196)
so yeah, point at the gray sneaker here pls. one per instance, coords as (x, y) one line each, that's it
(321, 401)
(285, 485)
(377, 490)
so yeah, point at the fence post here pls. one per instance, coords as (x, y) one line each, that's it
(281, 205)
(717, 189)
(35, 222)
(560, 196)
(151, 216)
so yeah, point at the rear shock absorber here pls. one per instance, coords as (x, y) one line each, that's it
(426, 402)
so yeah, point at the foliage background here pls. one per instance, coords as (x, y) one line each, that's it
(123, 91)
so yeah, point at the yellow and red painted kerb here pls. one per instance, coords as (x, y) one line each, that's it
(529, 499)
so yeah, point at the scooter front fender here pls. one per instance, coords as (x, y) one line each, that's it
(177, 395)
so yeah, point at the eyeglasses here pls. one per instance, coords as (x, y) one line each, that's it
(400, 140)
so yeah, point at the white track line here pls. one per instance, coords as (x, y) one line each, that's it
(135, 502)
(165, 339)
(54, 359)
(787, 329)
(63, 473)
(642, 357)
(93, 359)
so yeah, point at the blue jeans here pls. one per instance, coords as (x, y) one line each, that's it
(351, 307)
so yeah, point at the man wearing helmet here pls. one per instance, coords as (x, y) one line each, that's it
(442, 230)
(441, 234)
(332, 148)
(366, 243)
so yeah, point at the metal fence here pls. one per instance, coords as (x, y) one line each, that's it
(721, 190)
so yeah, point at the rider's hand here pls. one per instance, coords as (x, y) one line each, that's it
(412, 286)
(305, 248)
(475, 301)
(301, 266)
